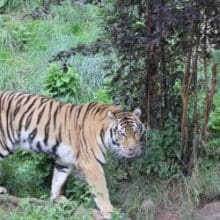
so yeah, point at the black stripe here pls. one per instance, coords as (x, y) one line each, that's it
(47, 126)
(91, 105)
(1, 125)
(111, 133)
(77, 155)
(115, 129)
(102, 134)
(18, 95)
(94, 109)
(97, 111)
(28, 120)
(69, 137)
(3, 145)
(60, 134)
(84, 143)
(78, 113)
(65, 119)
(61, 167)
(8, 125)
(40, 114)
(100, 147)
(18, 106)
(97, 159)
(85, 114)
(10, 119)
(71, 110)
(11, 125)
(28, 97)
(44, 100)
(24, 113)
(39, 147)
(54, 148)
(115, 143)
(46, 132)
(18, 103)
(32, 135)
(55, 116)
(81, 142)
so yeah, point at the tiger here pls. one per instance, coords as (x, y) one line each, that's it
(74, 135)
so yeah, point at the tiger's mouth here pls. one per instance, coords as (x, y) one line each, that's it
(129, 153)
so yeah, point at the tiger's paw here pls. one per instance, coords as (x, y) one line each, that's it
(60, 199)
(3, 190)
(106, 215)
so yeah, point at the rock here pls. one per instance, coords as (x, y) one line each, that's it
(210, 211)
(164, 214)
(146, 205)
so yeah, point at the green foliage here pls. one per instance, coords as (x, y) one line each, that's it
(78, 190)
(102, 96)
(213, 144)
(161, 154)
(31, 172)
(214, 122)
(78, 20)
(59, 84)
(28, 211)
(18, 5)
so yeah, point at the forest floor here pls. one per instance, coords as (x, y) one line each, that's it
(208, 211)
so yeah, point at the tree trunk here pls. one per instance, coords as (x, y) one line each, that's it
(187, 79)
(151, 67)
(196, 136)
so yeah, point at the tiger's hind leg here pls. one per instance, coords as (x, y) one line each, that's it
(61, 172)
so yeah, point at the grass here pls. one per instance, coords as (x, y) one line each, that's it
(28, 45)
(179, 193)
(28, 211)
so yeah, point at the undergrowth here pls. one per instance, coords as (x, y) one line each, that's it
(28, 211)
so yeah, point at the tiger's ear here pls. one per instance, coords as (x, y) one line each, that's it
(111, 116)
(137, 113)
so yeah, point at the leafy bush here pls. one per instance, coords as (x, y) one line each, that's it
(28, 211)
(59, 84)
(17, 5)
(161, 154)
(102, 96)
(30, 172)
(214, 122)
(78, 191)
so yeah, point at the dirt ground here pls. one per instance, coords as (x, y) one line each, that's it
(210, 211)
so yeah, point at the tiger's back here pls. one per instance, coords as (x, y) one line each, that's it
(33, 122)
(43, 124)
(72, 134)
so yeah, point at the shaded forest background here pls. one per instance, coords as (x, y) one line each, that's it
(163, 56)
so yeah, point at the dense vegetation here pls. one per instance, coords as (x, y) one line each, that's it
(161, 55)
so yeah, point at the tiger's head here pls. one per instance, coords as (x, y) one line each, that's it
(125, 132)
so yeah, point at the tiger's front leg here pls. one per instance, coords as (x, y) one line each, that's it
(60, 174)
(94, 175)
